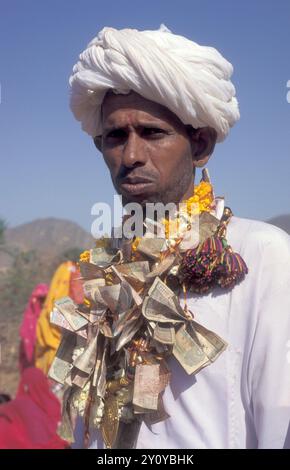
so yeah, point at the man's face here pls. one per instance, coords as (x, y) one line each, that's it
(147, 150)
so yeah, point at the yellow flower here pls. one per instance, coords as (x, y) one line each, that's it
(87, 302)
(135, 244)
(171, 226)
(202, 198)
(85, 257)
(200, 201)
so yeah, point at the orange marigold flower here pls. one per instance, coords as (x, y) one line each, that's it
(85, 257)
(135, 244)
(87, 302)
(200, 201)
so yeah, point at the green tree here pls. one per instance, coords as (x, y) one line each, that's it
(18, 282)
(2, 232)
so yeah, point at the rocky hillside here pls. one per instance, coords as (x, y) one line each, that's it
(47, 237)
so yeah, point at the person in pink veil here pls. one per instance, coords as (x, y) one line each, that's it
(31, 420)
(28, 326)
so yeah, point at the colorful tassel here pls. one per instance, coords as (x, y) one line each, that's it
(213, 263)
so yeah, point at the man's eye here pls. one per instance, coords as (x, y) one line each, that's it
(152, 131)
(116, 134)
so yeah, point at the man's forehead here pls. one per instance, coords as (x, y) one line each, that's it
(121, 107)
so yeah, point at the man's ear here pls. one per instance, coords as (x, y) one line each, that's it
(98, 142)
(203, 142)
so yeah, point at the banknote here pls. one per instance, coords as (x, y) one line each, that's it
(61, 364)
(97, 313)
(86, 361)
(158, 312)
(56, 318)
(151, 247)
(212, 344)
(207, 225)
(118, 298)
(78, 377)
(129, 331)
(138, 270)
(188, 352)
(162, 267)
(160, 292)
(106, 329)
(136, 297)
(90, 271)
(66, 304)
(125, 301)
(66, 431)
(109, 296)
(201, 227)
(164, 333)
(146, 386)
(102, 257)
(123, 319)
(90, 285)
(100, 372)
(68, 308)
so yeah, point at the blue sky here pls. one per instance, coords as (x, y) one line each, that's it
(49, 167)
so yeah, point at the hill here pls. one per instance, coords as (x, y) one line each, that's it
(48, 238)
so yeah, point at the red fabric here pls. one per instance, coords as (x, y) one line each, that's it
(28, 326)
(30, 421)
(76, 291)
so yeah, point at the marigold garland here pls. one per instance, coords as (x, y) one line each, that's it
(201, 201)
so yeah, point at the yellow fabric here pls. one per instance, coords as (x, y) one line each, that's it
(48, 336)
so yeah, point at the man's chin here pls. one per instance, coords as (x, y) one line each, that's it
(141, 199)
(140, 194)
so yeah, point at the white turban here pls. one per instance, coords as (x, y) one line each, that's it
(193, 81)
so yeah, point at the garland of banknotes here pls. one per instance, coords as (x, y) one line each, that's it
(112, 357)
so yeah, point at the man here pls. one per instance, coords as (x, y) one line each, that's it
(156, 104)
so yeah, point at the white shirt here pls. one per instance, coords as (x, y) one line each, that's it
(243, 399)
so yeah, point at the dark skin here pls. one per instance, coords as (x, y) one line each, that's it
(150, 153)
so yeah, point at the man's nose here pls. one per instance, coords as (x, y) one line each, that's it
(134, 151)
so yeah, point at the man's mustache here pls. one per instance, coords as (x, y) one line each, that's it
(136, 176)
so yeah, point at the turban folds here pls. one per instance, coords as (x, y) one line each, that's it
(193, 81)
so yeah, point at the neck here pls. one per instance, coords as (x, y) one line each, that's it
(189, 192)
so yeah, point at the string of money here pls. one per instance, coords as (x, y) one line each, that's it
(112, 358)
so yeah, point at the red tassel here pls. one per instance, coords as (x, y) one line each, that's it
(212, 264)
(232, 269)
